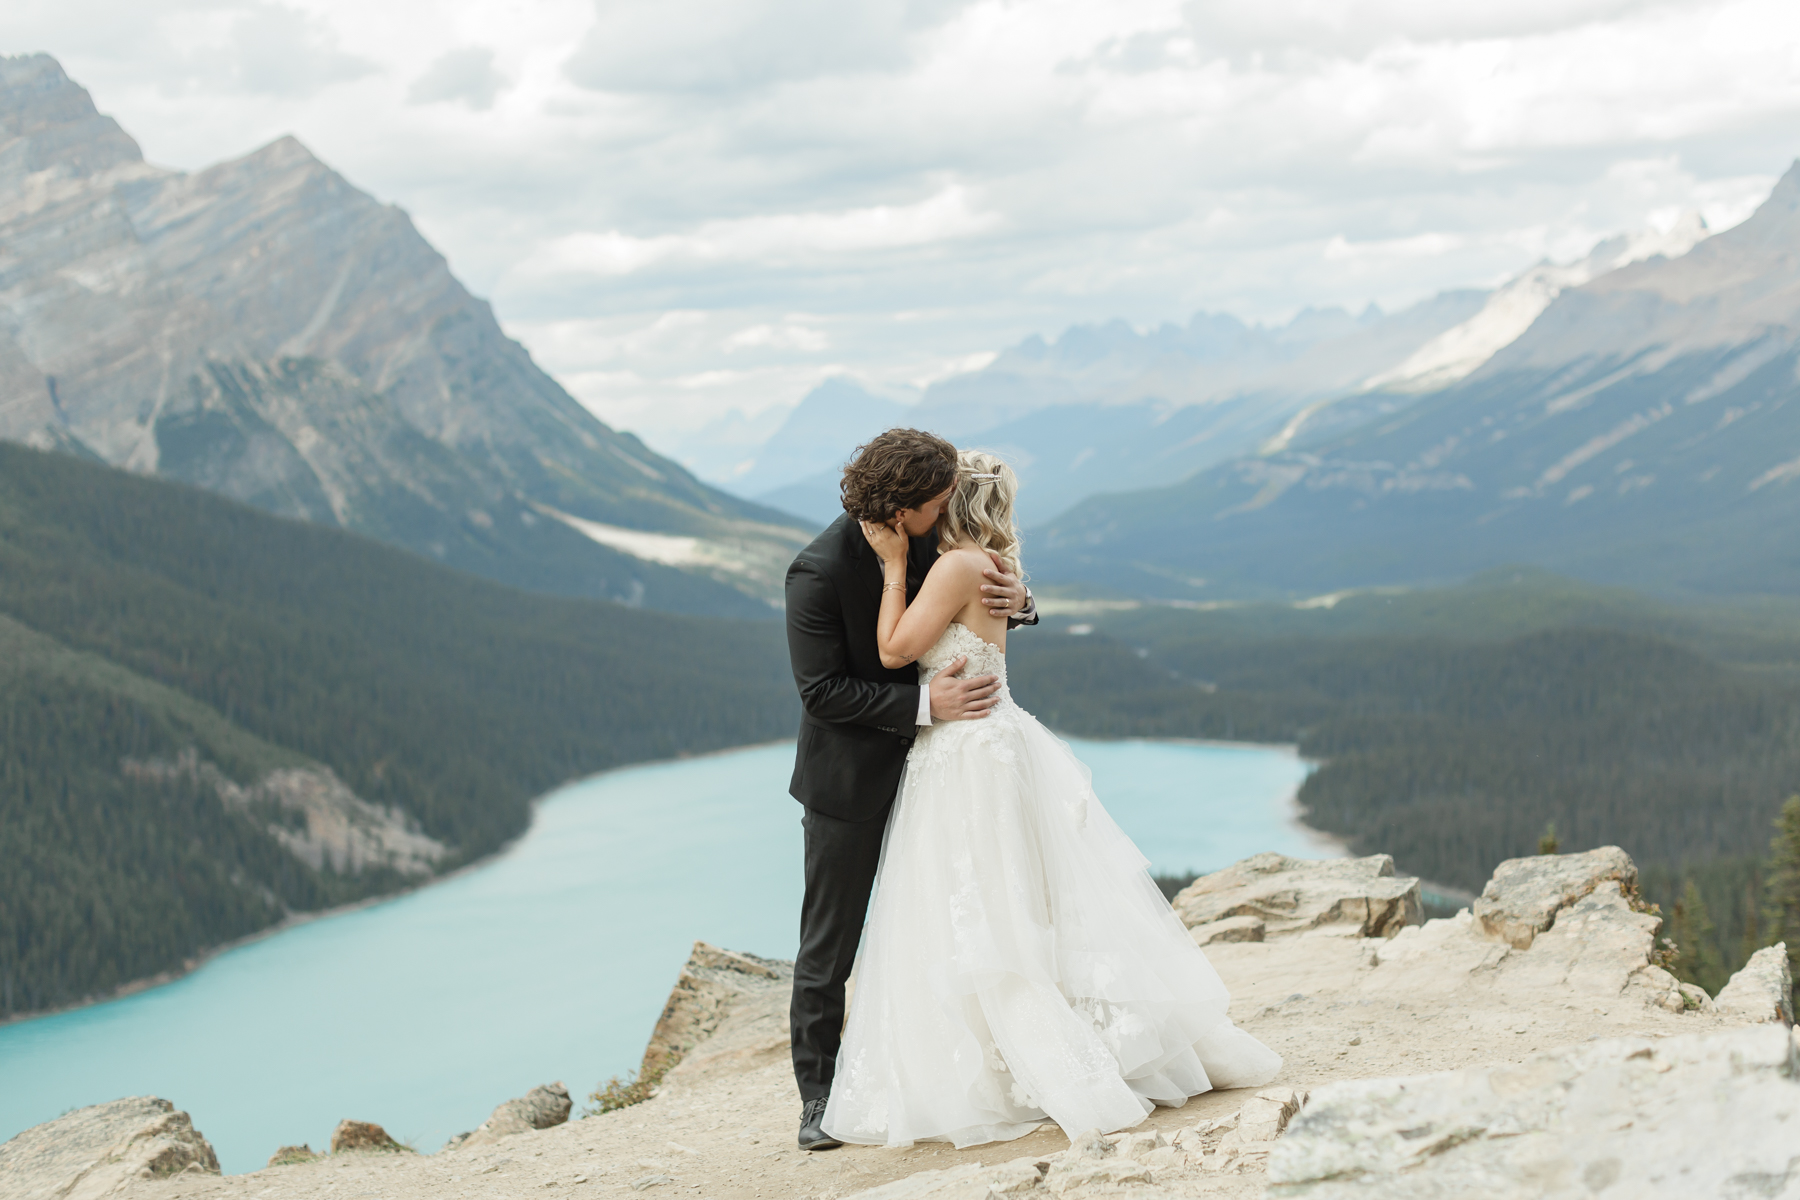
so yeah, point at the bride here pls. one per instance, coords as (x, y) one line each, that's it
(1018, 963)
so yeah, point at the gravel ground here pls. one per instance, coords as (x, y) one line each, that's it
(1335, 1007)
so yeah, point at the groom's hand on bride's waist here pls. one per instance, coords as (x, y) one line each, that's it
(957, 699)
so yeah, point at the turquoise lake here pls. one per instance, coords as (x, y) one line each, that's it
(550, 962)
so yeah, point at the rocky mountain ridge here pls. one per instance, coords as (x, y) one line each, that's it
(264, 329)
(1530, 1046)
(1641, 431)
(1107, 408)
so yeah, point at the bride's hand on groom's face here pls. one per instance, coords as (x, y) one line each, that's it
(955, 699)
(886, 540)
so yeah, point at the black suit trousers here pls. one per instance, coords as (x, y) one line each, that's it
(841, 857)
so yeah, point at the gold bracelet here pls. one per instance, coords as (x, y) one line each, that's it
(886, 586)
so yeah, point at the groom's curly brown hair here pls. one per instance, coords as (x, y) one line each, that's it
(902, 468)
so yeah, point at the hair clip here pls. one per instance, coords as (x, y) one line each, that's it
(984, 476)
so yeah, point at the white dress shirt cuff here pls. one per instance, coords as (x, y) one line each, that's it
(924, 706)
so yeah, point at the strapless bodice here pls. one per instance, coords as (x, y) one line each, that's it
(985, 658)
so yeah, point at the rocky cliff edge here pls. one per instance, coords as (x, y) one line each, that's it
(1530, 1046)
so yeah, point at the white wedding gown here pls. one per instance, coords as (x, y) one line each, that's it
(1018, 963)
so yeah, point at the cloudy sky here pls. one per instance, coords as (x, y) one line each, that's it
(693, 210)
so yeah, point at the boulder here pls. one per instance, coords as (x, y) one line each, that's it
(1265, 1116)
(1290, 895)
(99, 1150)
(971, 1181)
(288, 1156)
(1525, 894)
(1251, 1134)
(1708, 1114)
(1075, 1175)
(1231, 929)
(361, 1135)
(1136, 1144)
(735, 1003)
(541, 1108)
(1763, 990)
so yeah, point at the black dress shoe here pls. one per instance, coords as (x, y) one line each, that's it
(812, 1126)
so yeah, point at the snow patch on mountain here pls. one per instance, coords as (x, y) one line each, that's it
(1510, 310)
(755, 560)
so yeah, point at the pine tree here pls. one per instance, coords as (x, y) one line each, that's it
(1697, 941)
(1752, 917)
(1783, 912)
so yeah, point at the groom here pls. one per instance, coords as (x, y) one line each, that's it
(860, 719)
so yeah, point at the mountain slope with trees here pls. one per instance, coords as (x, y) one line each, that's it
(1456, 728)
(142, 619)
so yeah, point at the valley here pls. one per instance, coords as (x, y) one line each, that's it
(313, 583)
(214, 717)
(1458, 727)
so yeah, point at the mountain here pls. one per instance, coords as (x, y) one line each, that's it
(265, 330)
(797, 469)
(1512, 308)
(1106, 408)
(215, 717)
(1643, 430)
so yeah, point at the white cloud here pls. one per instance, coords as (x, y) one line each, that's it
(731, 45)
(774, 239)
(466, 74)
(756, 193)
(785, 336)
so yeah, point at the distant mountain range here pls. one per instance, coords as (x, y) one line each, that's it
(1643, 429)
(265, 330)
(1105, 408)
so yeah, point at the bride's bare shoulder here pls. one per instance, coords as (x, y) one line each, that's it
(958, 568)
(961, 560)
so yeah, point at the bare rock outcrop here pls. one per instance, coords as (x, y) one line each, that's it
(361, 1135)
(290, 1156)
(1713, 1114)
(102, 1150)
(971, 1182)
(1601, 948)
(1763, 990)
(1525, 894)
(314, 815)
(1229, 929)
(1357, 896)
(734, 1003)
(543, 1107)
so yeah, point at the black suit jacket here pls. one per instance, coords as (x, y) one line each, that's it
(858, 717)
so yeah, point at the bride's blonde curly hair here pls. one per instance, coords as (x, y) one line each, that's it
(980, 510)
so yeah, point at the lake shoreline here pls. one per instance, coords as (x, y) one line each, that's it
(396, 1006)
(291, 921)
(296, 920)
(1328, 845)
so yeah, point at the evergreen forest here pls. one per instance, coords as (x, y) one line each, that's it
(140, 619)
(143, 621)
(1461, 727)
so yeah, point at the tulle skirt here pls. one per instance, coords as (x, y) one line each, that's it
(1018, 963)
